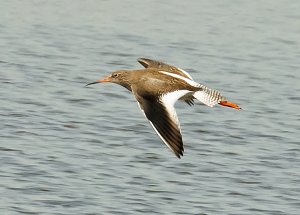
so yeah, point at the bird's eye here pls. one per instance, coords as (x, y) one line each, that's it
(115, 75)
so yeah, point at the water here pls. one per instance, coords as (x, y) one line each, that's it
(67, 149)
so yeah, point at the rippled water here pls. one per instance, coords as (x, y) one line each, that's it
(67, 149)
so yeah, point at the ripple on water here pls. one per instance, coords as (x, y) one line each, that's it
(70, 149)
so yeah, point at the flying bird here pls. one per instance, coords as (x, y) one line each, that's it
(156, 88)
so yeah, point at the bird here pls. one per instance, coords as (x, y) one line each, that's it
(156, 88)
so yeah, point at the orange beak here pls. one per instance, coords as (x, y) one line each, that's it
(229, 104)
(105, 79)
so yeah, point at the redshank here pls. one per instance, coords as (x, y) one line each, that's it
(157, 88)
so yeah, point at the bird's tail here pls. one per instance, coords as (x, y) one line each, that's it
(211, 97)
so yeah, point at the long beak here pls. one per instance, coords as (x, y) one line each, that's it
(105, 79)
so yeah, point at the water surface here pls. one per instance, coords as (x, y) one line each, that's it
(67, 149)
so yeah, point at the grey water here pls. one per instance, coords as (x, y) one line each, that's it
(70, 149)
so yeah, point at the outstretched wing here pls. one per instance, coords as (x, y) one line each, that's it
(162, 116)
(148, 63)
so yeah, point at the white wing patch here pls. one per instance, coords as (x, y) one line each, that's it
(185, 72)
(169, 100)
(209, 97)
(189, 81)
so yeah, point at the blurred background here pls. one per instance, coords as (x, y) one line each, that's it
(68, 149)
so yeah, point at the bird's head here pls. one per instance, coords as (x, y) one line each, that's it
(119, 77)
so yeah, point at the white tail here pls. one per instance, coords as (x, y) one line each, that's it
(208, 96)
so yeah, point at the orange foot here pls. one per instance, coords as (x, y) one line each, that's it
(229, 104)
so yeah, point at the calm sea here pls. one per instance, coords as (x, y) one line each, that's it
(68, 149)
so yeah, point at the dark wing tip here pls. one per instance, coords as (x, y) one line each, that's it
(144, 61)
(164, 125)
(190, 102)
(179, 154)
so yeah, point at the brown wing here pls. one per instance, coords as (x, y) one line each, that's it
(163, 121)
(148, 63)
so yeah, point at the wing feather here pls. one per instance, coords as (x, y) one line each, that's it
(209, 97)
(162, 116)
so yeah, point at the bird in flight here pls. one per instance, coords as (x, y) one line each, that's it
(156, 88)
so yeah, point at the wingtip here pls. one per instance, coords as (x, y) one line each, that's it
(144, 61)
(179, 154)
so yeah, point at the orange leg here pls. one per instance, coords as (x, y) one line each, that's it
(229, 104)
